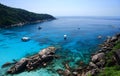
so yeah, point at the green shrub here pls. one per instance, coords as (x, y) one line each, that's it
(110, 68)
(110, 71)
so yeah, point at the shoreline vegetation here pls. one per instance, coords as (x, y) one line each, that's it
(10, 17)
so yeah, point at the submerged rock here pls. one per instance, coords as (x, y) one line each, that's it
(75, 73)
(67, 66)
(6, 64)
(67, 72)
(60, 71)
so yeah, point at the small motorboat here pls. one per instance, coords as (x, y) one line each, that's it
(65, 37)
(25, 39)
(99, 37)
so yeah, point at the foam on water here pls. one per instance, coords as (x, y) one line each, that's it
(79, 45)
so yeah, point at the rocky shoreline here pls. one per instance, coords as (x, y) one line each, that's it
(98, 60)
(24, 23)
(45, 56)
(42, 59)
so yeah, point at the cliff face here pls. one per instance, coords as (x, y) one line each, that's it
(12, 16)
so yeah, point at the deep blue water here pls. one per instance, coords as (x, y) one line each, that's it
(79, 45)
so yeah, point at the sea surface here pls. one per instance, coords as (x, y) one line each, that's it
(82, 40)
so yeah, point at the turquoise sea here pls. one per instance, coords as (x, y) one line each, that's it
(82, 40)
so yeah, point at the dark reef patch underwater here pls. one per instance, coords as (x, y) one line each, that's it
(78, 46)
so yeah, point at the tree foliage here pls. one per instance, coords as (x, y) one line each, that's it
(10, 16)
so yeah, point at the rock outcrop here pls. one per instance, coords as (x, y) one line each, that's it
(98, 57)
(117, 56)
(39, 60)
(98, 60)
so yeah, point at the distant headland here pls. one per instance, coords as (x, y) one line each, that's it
(17, 17)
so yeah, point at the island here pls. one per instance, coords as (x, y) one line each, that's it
(10, 17)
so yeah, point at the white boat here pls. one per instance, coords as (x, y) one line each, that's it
(99, 37)
(25, 38)
(65, 37)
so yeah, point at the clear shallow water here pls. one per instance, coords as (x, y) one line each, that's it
(78, 46)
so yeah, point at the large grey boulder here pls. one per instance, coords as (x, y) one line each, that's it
(92, 65)
(98, 57)
(67, 72)
(114, 38)
(47, 51)
(101, 63)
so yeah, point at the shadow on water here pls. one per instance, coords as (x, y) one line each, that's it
(9, 33)
(44, 41)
